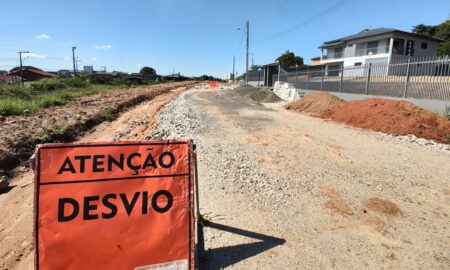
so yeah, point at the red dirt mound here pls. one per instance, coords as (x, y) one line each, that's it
(315, 103)
(390, 116)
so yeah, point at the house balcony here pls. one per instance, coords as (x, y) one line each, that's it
(371, 51)
(356, 53)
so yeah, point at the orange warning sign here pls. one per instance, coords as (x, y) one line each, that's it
(114, 205)
(213, 84)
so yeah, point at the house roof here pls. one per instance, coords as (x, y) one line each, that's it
(276, 63)
(373, 32)
(40, 72)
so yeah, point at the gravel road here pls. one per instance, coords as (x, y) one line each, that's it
(288, 191)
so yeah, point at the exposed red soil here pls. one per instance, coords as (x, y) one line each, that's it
(314, 103)
(390, 116)
(383, 206)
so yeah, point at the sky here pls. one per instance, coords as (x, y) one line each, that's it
(193, 37)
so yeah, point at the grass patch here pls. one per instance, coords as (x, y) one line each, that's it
(447, 112)
(16, 100)
(108, 114)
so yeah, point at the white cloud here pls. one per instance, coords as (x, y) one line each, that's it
(34, 55)
(102, 47)
(140, 65)
(94, 58)
(67, 58)
(42, 36)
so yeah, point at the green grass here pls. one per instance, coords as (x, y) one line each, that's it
(16, 100)
(108, 114)
(447, 112)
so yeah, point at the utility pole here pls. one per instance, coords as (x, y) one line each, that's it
(74, 63)
(21, 67)
(246, 58)
(234, 61)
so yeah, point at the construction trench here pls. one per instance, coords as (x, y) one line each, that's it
(281, 189)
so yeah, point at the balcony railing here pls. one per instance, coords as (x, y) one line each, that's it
(356, 53)
(372, 51)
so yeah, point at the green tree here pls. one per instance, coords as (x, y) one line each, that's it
(289, 59)
(441, 31)
(147, 71)
(426, 30)
(24, 67)
(444, 48)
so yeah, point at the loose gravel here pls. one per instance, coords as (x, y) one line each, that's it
(309, 181)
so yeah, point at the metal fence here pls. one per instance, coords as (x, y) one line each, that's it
(256, 77)
(426, 78)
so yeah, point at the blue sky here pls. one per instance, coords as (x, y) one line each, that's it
(192, 37)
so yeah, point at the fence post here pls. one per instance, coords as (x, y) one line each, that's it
(405, 92)
(342, 77)
(368, 78)
(279, 70)
(259, 77)
(321, 81)
(307, 78)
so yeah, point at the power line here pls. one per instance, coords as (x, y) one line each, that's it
(306, 22)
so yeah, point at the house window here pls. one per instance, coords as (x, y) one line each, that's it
(358, 64)
(372, 47)
(398, 46)
(424, 45)
(338, 52)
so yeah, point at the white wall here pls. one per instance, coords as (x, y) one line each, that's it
(418, 51)
(286, 91)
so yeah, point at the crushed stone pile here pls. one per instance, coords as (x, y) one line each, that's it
(390, 116)
(314, 103)
(261, 95)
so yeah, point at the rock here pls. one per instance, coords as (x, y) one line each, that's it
(4, 183)
(2, 118)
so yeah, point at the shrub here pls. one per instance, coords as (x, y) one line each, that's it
(108, 114)
(447, 112)
(78, 82)
(14, 90)
(46, 85)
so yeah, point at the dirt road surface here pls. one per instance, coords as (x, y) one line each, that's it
(288, 191)
(16, 218)
(283, 190)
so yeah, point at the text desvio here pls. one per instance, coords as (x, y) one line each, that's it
(69, 208)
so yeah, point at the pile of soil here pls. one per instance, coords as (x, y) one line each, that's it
(314, 103)
(257, 94)
(390, 116)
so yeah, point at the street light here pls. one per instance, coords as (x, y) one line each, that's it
(21, 67)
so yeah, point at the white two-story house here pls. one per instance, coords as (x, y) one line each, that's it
(376, 46)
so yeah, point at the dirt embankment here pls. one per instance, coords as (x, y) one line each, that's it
(20, 134)
(315, 103)
(383, 115)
